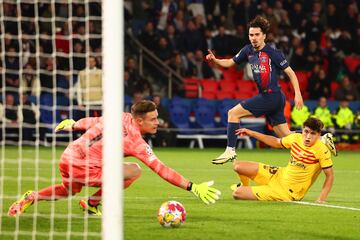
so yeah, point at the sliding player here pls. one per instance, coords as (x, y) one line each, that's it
(81, 163)
(309, 156)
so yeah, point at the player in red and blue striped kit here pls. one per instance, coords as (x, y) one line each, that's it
(266, 64)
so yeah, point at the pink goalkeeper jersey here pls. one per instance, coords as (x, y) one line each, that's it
(90, 144)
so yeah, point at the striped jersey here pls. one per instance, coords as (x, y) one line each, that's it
(305, 163)
(266, 65)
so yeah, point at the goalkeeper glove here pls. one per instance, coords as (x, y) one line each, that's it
(66, 124)
(203, 191)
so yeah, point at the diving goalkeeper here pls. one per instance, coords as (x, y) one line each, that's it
(81, 163)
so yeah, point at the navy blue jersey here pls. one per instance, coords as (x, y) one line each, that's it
(265, 65)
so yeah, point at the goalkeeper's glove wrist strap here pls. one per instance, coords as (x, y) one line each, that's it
(189, 186)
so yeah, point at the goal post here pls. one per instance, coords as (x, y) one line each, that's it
(113, 45)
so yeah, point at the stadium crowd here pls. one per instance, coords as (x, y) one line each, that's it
(48, 63)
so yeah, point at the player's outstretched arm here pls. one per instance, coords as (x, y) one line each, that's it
(329, 179)
(267, 139)
(65, 125)
(206, 193)
(299, 103)
(220, 62)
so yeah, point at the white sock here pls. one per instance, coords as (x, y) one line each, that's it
(232, 149)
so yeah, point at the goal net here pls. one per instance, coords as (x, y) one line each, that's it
(51, 66)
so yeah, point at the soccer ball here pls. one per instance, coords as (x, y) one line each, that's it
(171, 214)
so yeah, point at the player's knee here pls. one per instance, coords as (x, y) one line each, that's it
(135, 170)
(232, 112)
(236, 195)
(237, 166)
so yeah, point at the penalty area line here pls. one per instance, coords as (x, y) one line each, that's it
(326, 205)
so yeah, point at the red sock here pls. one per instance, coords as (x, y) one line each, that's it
(52, 193)
(95, 198)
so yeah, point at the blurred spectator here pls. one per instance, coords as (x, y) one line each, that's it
(148, 36)
(347, 90)
(20, 118)
(89, 88)
(243, 11)
(179, 21)
(30, 83)
(314, 28)
(298, 117)
(177, 64)
(47, 80)
(196, 7)
(141, 12)
(11, 110)
(297, 17)
(62, 38)
(222, 43)
(191, 39)
(240, 39)
(208, 41)
(344, 119)
(165, 12)
(319, 85)
(28, 48)
(313, 55)
(323, 113)
(12, 66)
(137, 97)
(332, 16)
(344, 43)
(28, 116)
(298, 58)
(203, 70)
(63, 88)
(171, 36)
(190, 64)
(163, 137)
(163, 50)
(79, 60)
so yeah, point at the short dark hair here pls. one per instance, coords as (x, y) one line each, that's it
(314, 124)
(260, 22)
(141, 108)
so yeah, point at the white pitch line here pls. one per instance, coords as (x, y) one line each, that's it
(326, 205)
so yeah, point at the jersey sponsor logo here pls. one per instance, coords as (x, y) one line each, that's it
(297, 164)
(258, 68)
(264, 59)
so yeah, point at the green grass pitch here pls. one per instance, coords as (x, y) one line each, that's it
(227, 219)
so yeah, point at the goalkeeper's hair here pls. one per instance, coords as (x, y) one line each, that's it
(314, 124)
(139, 109)
(260, 22)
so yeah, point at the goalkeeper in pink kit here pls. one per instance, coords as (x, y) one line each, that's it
(81, 163)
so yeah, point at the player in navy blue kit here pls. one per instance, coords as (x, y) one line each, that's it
(266, 64)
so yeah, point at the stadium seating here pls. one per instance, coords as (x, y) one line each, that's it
(209, 88)
(179, 116)
(191, 87)
(205, 118)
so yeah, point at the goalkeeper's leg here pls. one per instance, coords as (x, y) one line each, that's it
(54, 192)
(132, 171)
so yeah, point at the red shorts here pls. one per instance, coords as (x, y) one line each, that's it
(75, 170)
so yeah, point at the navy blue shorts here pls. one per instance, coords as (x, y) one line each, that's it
(269, 104)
